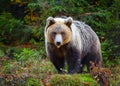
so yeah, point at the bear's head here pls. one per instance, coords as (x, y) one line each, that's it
(58, 31)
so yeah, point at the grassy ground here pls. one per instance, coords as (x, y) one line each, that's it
(36, 73)
(30, 67)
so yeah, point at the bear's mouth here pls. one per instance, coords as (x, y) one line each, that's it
(58, 44)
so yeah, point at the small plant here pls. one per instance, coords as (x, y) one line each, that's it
(33, 82)
(101, 75)
(26, 54)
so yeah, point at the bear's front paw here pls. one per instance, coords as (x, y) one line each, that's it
(62, 72)
(71, 71)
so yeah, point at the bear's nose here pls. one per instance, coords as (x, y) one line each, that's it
(58, 43)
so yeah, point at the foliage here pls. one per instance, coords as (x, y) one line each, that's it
(1, 53)
(99, 15)
(107, 52)
(27, 70)
(12, 29)
(27, 53)
(37, 34)
(36, 71)
(13, 80)
(72, 80)
(101, 75)
(33, 82)
(28, 66)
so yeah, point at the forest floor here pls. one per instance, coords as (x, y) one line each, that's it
(30, 67)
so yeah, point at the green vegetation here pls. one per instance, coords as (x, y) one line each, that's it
(33, 82)
(23, 60)
(72, 80)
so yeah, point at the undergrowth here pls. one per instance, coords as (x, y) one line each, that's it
(29, 67)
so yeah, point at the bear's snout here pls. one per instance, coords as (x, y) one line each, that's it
(58, 40)
(58, 43)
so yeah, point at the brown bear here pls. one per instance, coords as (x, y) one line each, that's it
(73, 42)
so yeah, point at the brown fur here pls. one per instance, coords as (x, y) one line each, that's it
(73, 42)
(59, 28)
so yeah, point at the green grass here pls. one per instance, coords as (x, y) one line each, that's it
(72, 80)
(33, 82)
(29, 68)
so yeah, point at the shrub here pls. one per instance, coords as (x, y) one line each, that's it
(27, 53)
(12, 30)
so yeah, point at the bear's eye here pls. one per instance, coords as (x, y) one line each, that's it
(63, 33)
(53, 33)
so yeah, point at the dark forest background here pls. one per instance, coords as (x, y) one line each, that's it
(22, 25)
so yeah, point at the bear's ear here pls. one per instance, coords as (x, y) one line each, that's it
(50, 21)
(69, 21)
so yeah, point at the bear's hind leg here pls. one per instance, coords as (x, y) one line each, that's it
(93, 58)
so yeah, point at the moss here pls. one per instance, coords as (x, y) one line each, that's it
(33, 82)
(72, 80)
